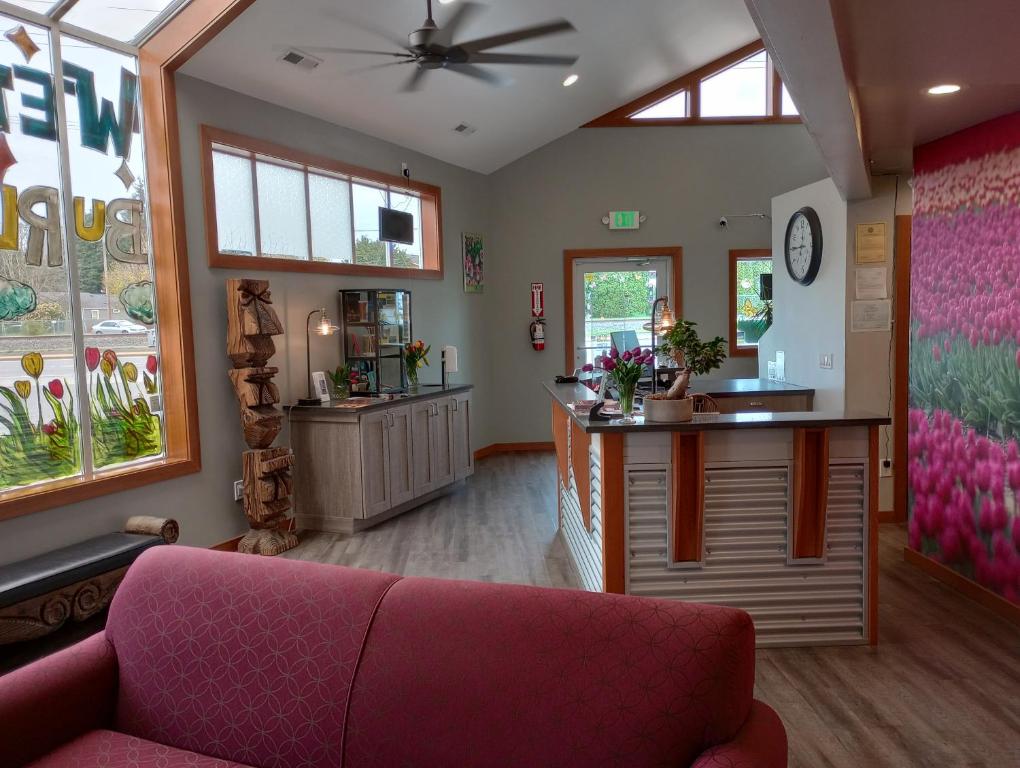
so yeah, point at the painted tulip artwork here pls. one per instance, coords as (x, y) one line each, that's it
(964, 421)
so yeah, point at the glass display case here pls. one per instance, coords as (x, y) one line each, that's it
(376, 326)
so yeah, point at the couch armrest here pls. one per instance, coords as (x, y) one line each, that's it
(56, 699)
(760, 743)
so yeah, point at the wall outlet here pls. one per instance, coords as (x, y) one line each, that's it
(885, 468)
(238, 490)
(772, 370)
(825, 361)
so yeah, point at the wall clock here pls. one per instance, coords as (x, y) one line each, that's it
(803, 245)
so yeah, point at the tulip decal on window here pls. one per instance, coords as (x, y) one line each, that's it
(23, 388)
(91, 358)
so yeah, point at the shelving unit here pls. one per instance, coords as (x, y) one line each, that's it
(376, 326)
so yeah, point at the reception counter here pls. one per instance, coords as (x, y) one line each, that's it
(774, 512)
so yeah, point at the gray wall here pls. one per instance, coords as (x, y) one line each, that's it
(683, 179)
(442, 313)
(809, 321)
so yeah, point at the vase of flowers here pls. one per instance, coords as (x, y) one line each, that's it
(415, 357)
(625, 370)
(342, 379)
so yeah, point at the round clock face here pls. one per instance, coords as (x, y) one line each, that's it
(804, 245)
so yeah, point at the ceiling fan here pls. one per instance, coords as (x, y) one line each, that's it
(430, 47)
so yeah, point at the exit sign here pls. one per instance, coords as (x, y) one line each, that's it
(624, 219)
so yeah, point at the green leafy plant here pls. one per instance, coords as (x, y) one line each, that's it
(693, 356)
(342, 378)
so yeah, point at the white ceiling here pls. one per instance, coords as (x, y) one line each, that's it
(625, 48)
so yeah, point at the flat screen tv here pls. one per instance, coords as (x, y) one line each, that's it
(396, 226)
(765, 287)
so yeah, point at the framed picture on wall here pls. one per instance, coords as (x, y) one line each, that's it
(473, 256)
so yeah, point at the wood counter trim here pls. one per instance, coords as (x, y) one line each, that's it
(614, 530)
(560, 428)
(580, 461)
(688, 496)
(901, 379)
(872, 539)
(495, 448)
(810, 491)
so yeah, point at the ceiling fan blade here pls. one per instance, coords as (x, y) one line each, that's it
(464, 12)
(528, 33)
(478, 73)
(330, 49)
(521, 58)
(414, 82)
(365, 26)
(384, 65)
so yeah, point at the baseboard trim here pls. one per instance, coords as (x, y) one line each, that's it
(980, 595)
(491, 450)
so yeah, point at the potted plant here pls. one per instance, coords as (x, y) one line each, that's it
(693, 357)
(342, 379)
(625, 370)
(415, 356)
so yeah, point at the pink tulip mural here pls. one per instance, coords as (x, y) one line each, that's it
(964, 421)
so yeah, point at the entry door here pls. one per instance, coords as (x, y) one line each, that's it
(615, 295)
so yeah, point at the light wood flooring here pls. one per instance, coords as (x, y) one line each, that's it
(941, 689)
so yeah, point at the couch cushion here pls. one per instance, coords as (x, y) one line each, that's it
(109, 749)
(240, 657)
(471, 674)
(62, 567)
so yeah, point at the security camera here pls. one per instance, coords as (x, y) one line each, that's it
(724, 222)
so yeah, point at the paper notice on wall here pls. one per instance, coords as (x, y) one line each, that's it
(871, 283)
(870, 316)
(870, 243)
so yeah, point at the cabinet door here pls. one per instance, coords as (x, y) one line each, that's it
(463, 457)
(443, 468)
(400, 462)
(375, 461)
(423, 447)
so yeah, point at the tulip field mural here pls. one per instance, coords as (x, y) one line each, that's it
(964, 420)
(40, 437)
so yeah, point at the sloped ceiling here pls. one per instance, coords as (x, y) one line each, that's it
(626, 49)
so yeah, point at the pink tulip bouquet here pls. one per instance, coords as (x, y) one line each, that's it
(624, 370)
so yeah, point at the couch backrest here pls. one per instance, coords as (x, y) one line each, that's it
(240, 657)
(471, 674)
(272, 662)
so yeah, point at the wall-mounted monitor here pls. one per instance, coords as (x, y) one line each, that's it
(765, 286)
(396, 226)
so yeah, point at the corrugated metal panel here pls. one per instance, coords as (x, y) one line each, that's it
(585, 546)
(745, 550)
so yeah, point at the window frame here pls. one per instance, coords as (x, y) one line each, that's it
(736, 256)
(431, 209)
(163, 49)
(623, 117)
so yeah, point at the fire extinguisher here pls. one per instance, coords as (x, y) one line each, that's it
(537, 330)
(537, 327)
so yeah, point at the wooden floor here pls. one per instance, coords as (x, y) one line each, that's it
(942, 688)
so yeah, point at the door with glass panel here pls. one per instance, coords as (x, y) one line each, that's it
(615, 296)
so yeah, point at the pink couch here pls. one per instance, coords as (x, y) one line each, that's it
(217, 660)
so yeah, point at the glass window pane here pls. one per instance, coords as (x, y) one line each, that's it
(739, 91)
(40, 435)
(235, 212)
(401, 255)
(368, 249)
(283, 222)
(121, 21)
(754, 305)
(617, 302)
(39, 6)
(674, 106)
(330, 206)
(111, 244)
(788, 107)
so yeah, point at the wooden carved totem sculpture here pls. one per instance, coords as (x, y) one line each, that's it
(251, 324)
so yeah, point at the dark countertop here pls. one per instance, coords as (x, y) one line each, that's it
(746, 388)
(567, 393)
(426, 392)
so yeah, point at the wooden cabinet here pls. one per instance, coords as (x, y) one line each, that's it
(354, 469)
(761, 403)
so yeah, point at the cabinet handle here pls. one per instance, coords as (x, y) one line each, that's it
(756, 404)
(456, 405)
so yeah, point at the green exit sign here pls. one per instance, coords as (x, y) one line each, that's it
(624, 219)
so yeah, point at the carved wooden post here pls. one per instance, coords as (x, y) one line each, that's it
(251, 324)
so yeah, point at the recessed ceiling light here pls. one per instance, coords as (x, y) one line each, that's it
(571, 79)
(445, 2)
(943, 89)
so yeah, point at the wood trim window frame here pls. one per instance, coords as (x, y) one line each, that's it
(675, 253)
(737, 255)
(159, 57)
(431, 210)
(623, 117)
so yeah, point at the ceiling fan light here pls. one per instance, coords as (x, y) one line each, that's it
(943, 89)
(571, 79)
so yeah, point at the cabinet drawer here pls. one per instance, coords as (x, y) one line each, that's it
(777, 403)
